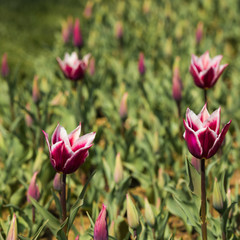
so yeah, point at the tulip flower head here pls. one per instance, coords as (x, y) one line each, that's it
(219, 198)
(57, 182)
(13, 232)
(149, 213)
(123, 111)
(35, 90)
(101, 228)
(141, 64)
(5, 68)
(202, 132)
(177, 82)
(92, 66)
(33, 190)
(119, 30)
(88, 10)
(77, 35)
(72, 67)
(132, 214)
(118, 171)
(199, 32)
(206, 71)
(68, 152)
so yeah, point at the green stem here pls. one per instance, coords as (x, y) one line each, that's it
(205, 95)
(223, 230)
(203, 200)
(63, 200)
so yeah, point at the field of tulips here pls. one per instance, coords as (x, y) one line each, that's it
(120, 120)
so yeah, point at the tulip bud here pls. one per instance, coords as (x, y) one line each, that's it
(161, 181)
(218, 198)
(123, 111)
(77, 237)
(70, 24)
(132, 214)
(141, 65)
(88, 10)
(28, 118)
(146, 6)
(199, 32)
(101, 228)
(118, 171)
(77, 36)
(229, 201)
(177, 83)
(35, 90)
(12, 233)
(5, 69)
(119, 30)
(196, 163)
(57, 182)
(65, 32)
(112, 229)
(92, 66)
(33, 190)
(149, 213)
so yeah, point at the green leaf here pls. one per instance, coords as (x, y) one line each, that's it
(194, 178)
(36, 235)
(79, 202)
(57, 202)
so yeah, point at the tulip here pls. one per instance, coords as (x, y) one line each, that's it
(28, 118)
(219, 197)
(68, 152)
(88, 10)
(5, 68)
(35, 90)
(118, 171)
(12, 233)
(132, 214)
(177, 82)
(199, 32)
(101, 228)
(123, 107)
(67, 29)
(119, 30)
(77, 237)
(202, 132)
(161, 180)
(206, 71)
(149, 213)
(141, 65)
(57, 182)
(77, 36)
(92, 66)
(72, 67)
(33, 190)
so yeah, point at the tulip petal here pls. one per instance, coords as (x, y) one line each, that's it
(207, 138)
(198, 81)
(60, 134)
(213, 122)
(77, 159)
(193, 120)
(208, 76)
(193, 142)
(83, 141)
(74, 135)
(204, 114)
(53, 162)
(195, 62)
(218, 142)
(205, 59)
(216, 61)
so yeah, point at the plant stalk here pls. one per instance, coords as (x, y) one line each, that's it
(203, 200)
(205, 95)
(135, 236)
(63, 200)
(33, 214)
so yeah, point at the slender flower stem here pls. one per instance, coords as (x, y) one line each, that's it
(179, 108)
(135, 236)
(203, 201)
(33, 214)
(205, 95)
(223, 230)
(63, 200)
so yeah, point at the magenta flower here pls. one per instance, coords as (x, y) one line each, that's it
(72, 67)
(68, 152)
(202, 132)
(177, 85)
(206, 71)
(77, 35)
(141, 64)
(101, 228)
(4, 67)
(33, 190)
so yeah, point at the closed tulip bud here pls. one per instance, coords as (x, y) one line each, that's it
(5, 68)
(149, 213)
(196, 163)
(88, 10)
(141, 64)
(132, 214)
(65, 32)
(119, 30)
(57, 182)
(118, 171)
(92, 66)
(112, 229)
(177, 82)
(123, 111)
(146, 6)
(161, 181)
(33, 190)
(218, 197)
(77, 237)
(28, 118)
(35, 90)
(13, 232)
(77, 36)
(229, 200)
(199, 32)
(101, 228)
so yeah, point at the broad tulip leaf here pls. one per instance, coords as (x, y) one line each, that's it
(36, 235)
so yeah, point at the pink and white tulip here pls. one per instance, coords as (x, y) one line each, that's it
(202, 132)
(4, 67)
(68, 151)
(141, 64)
(206, 71)
(72, 67)
(101, 227)
(77, 35)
